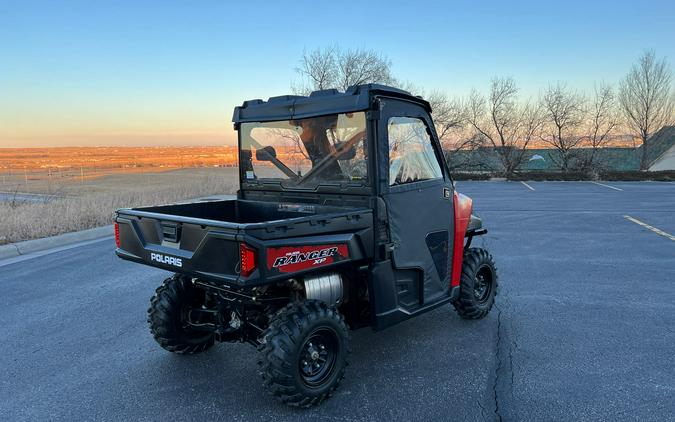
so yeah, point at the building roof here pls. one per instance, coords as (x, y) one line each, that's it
(659, 143)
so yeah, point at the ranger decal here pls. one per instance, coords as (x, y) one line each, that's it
(296, 258)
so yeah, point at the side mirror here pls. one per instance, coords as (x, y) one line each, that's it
(265, 154)
(344, 153)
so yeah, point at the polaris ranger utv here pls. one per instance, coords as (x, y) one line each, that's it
(346, 217)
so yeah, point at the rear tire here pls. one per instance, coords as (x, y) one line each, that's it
(304, 353)
(167, 317)
(478, 284)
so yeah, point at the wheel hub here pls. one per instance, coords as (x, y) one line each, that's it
(482, 284)
(317, 358)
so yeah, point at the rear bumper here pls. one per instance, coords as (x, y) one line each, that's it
(202, 252)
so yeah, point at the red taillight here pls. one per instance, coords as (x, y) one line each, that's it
(247, 256)
(117, 235)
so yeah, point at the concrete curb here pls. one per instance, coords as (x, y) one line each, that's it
(13, 250)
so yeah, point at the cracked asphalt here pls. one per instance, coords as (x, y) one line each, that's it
(582, 329)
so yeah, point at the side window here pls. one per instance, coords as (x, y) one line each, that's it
(411, 154)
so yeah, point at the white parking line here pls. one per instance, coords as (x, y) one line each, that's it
(527, 186)
(607, 186)
(652, 228)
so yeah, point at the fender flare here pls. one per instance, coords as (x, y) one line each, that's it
(463, 207)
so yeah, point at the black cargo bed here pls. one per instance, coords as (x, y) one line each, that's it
(205, 236)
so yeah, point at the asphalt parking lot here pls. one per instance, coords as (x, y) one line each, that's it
(584, 329)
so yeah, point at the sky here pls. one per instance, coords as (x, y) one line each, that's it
(106, 73)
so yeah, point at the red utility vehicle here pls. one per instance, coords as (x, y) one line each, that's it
(346, 217)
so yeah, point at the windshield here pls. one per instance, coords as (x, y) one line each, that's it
(305, 152)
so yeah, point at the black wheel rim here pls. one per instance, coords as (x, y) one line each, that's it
(482, 286)
(318, 356)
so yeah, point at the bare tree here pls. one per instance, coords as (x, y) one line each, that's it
(450, 121)
(565, 113)
(449, 113)
(318, 69)
(451, 124)
(356, 67)
(505, 125)
(333, 67)
(646, 99)
(602, 121)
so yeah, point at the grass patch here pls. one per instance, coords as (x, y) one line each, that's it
(95, 206)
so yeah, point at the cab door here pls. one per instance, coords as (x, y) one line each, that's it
(418, 198)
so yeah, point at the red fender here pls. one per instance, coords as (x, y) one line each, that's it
(463, 207)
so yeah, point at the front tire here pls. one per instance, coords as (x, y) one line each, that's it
(478, 284)
(304, 353)
(167, 317)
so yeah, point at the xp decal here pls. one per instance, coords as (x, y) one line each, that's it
(296, 258)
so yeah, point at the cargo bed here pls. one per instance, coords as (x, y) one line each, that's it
(204, 239)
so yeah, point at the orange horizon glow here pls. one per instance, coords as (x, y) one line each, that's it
(226, 137)
(94, 119)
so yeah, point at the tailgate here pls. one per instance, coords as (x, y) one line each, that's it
(180, 244)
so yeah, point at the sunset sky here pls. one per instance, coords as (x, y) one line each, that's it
(169, 73)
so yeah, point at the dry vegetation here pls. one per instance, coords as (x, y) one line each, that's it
(114, 158)
(67, 170)
(92, 203)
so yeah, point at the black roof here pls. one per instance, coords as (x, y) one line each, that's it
(327, 101)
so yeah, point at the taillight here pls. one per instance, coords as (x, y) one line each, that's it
(117, 235)
(247, 257)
